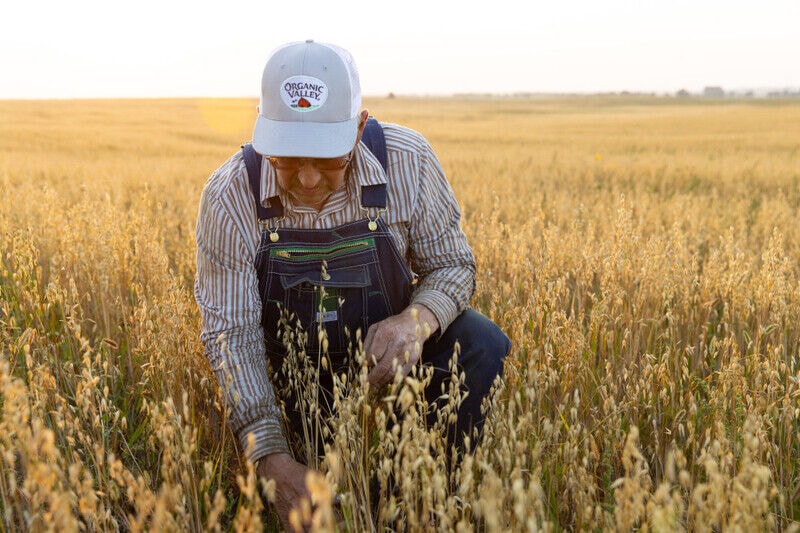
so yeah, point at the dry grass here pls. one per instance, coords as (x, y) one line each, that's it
(642, 255)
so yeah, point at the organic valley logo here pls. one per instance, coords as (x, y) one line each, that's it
(304, 93)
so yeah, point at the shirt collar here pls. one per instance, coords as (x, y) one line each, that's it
(367, 170)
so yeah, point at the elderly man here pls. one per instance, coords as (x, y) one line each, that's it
(343, 238)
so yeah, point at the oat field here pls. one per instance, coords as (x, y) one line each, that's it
(642, 254)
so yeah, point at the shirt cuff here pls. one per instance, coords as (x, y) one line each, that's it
(267, 439)
(442, 306)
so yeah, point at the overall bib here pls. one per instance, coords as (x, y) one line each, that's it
(339, 280)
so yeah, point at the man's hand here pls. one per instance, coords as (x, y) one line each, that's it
(398, 338)
(290, 484)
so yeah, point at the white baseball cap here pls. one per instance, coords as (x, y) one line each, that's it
(310, 102)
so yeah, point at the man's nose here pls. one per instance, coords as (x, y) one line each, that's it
(308, 176)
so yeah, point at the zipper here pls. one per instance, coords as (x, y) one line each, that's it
(321, 253)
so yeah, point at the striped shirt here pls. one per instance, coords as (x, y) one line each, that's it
(423, 218)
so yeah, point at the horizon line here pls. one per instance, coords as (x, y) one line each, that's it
(755, 92)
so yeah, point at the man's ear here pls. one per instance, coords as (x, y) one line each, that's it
(362, 123)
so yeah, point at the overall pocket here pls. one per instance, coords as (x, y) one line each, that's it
(335, 300)
(332, 287)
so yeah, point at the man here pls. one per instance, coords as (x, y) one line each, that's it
(325, 232)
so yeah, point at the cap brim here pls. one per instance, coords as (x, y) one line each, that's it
(304, 139)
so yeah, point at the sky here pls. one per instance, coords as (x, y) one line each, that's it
(164, 48)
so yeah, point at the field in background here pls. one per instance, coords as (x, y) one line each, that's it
(643, 256)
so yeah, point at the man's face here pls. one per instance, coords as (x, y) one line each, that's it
(310, 180)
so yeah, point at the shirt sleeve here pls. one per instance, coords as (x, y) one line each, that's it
(438, 248)
(226, 290)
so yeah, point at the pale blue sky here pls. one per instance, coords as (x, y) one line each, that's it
(93, 48)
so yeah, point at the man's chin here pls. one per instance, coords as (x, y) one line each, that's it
(309, 200)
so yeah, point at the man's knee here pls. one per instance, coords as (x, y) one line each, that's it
(482, 343)
(482, 346)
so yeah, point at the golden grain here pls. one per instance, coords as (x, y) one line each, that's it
(643, 256)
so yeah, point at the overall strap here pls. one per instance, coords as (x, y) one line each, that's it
(374, 139)
(373, 196)
(252, 161)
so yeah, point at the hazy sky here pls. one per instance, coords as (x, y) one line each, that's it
(88, 48)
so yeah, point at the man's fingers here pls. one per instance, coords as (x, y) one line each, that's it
(411, 360)
(378, 375)
(377, 344)
(391, 342)
(385, 370)
(368, 340)
(373, 377)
